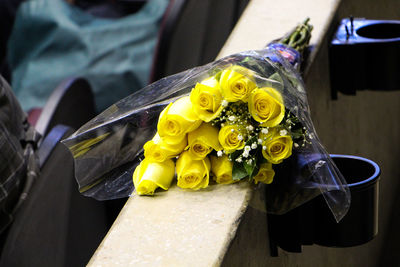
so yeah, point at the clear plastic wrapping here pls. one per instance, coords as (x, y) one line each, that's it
(108, 148)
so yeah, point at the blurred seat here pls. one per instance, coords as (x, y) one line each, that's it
(53, 40)
(192, 33)
(56, 225)
(71, 104)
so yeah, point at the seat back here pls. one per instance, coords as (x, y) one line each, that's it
(56, 225)
(70, 104)
(192, 33)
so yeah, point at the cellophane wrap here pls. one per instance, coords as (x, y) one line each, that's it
(108, 148)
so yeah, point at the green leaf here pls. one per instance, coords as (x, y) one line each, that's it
(250, 168)
(234, 155)
(296, 135)
(246, 59)
(276, 77)
(255, 171)
(238, 171)
(218, 75)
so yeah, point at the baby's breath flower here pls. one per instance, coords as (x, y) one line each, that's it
(224, 103)
(264, 130)
(239, 159)
(250, 128)
(249, 161)
(264, 148)
(240, 137)
(245, 154)
(232, 118)
(283, 132)
(296, 145)
(247, 148)
(253, 146)
(259, 141)
(219, 153)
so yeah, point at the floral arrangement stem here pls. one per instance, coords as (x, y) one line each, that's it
(299, 37)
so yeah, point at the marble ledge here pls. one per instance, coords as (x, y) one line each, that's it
(175, 228)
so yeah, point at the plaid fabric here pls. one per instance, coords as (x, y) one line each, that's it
(12, 159)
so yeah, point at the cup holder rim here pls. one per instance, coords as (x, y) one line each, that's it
(373, 178)
(374, 24)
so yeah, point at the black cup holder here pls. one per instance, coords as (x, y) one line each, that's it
(360, 224)
(313, 222)
(365, 55)
(383, 30)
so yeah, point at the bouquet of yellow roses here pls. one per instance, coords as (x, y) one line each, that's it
(243, 117)
(229, 127)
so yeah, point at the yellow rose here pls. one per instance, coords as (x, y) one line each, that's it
(265, 174)
(222, 167)
(231, 138)
(266, 106)
(148, 176)
(203, 140)
(277, 145)
(176, 120)
(236, 84)
(158, 150)
(206, 99)
(193, 174)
